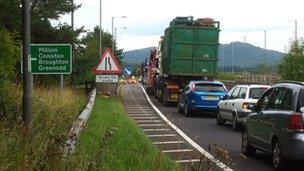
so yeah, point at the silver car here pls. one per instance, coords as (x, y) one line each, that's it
(276, 124)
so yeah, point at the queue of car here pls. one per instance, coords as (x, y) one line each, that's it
(270, 117)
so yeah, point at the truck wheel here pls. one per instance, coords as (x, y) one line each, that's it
(164, 97)
(165, 103)
(155, 92)
(160, 97)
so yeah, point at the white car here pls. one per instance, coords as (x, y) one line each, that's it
(233, 107)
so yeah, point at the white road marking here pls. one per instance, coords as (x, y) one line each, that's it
(144, 118)
(149, 121)
(188, 139)
(188, 161)
(162, 135)
(168, 142)
(134, 115)
(177, 151)
(143, 125)
(148, 130)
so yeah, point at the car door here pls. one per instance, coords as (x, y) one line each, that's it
(223, 103)
(275, 118)
(184, 96)
(267, 117)
(231, 103)
(238, 102)
(253, 122)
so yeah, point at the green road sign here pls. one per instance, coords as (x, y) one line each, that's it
(51, 59)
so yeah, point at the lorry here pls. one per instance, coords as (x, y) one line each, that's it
(187, 51)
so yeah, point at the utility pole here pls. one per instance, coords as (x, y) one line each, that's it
(100, 31)
(26, 98)
(113, 34)
(296, 31)
(232, 56)
(72, 25)
(265, 40)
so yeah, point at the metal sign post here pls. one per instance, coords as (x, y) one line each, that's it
(26, 98)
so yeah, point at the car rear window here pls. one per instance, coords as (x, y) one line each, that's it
(256, 93)
(209, 87)
(301, 99)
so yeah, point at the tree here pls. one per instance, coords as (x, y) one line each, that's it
(88, 55)
(292, 65)
(264, 68)
(9, 55)
(42, 30)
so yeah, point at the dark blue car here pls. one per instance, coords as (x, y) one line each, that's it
(201, 96)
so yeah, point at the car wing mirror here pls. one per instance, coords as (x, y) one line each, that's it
(225, 97)
(302, 109)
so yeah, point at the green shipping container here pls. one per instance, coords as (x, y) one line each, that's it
(190, 49)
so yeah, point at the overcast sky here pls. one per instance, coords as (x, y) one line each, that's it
(241, 20)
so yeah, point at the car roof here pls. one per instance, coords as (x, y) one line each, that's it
(253, 85)
(209, 82)
(289, 84)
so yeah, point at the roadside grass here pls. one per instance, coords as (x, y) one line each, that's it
(112, 141)
(39, 146)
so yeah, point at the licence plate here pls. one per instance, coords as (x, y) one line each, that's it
(211, 98)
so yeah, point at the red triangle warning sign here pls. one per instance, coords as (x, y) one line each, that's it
(108, 64)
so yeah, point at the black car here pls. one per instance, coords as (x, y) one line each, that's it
(276, 124)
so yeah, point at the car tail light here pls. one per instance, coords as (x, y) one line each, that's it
(296, 122)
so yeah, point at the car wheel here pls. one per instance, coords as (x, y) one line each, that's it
(179, 108)
(187, 111)
(247, 149)
(219, 120)
(160, 97)
(277, 157)
(235, 124)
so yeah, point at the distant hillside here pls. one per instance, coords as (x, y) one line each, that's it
(136, 56)
(246, 55)
(236, 53)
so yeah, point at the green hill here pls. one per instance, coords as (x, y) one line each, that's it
(236, 53)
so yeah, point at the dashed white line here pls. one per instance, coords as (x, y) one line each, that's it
(177, 151)
(168, 142)
(162, 135)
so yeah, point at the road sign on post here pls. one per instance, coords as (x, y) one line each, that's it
(108, 64)
(107, 72)
(51, 58)
(127, 71)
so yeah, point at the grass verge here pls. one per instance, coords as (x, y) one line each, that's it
(112, 141)
(39, 146)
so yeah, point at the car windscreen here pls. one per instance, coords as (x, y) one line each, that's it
(256, 92)
(209, 87)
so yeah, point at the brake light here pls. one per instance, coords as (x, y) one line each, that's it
(296, 122)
